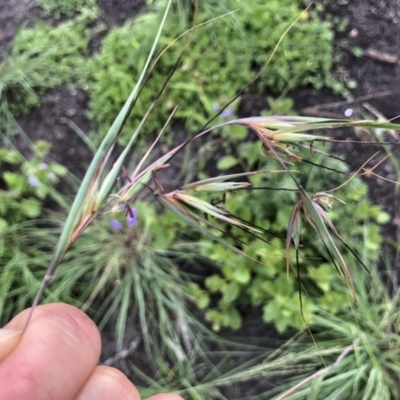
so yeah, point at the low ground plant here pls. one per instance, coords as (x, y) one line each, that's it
(40, 58)
(217, 60)
(356, 352)
(26, 183)
(22, 76)
(57, 8)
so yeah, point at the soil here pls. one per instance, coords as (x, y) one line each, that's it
(118, 11)
(373, 32)
(50, 122)
(12, 15)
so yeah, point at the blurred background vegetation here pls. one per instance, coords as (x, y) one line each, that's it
(173, 287)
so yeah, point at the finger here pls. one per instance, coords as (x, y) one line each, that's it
(107, 383)
(9, 339)
(165, 396)
(55, 356)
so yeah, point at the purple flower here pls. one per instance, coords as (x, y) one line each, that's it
(132, 218)
(43, 165)
(33, 181)
(115, 224)
(51, 176)
(226, 113)
(216, 107)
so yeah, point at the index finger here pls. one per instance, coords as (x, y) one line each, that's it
(55, 356)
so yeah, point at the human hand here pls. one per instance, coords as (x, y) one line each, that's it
(56, 358)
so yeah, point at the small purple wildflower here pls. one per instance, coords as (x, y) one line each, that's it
(132, 217)
(43, 165)
(131, 221)
(33, 181)
(227, 113)
(216, 107)
(115, 224)
(51, 176)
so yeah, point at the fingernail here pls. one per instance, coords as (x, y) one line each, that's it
(9, 339)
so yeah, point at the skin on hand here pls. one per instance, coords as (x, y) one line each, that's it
(56, 358)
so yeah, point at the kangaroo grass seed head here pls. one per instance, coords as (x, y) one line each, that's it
(283, 153)
(325, 199)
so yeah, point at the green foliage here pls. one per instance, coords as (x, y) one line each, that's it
(359, 348)
(21, 75)
(26, 183)
(262, 280)
(43, 57)
(55, 8)
(220, 59)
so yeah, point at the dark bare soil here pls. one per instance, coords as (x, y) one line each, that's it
(373, 31)
(118, 11)
(50, 123)
(12, 15)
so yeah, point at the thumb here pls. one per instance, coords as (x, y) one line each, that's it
(9, 339)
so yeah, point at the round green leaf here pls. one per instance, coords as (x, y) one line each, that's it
(30, 207)
(3, 224)
(227, 162)
(231, 292)
(241, 275)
